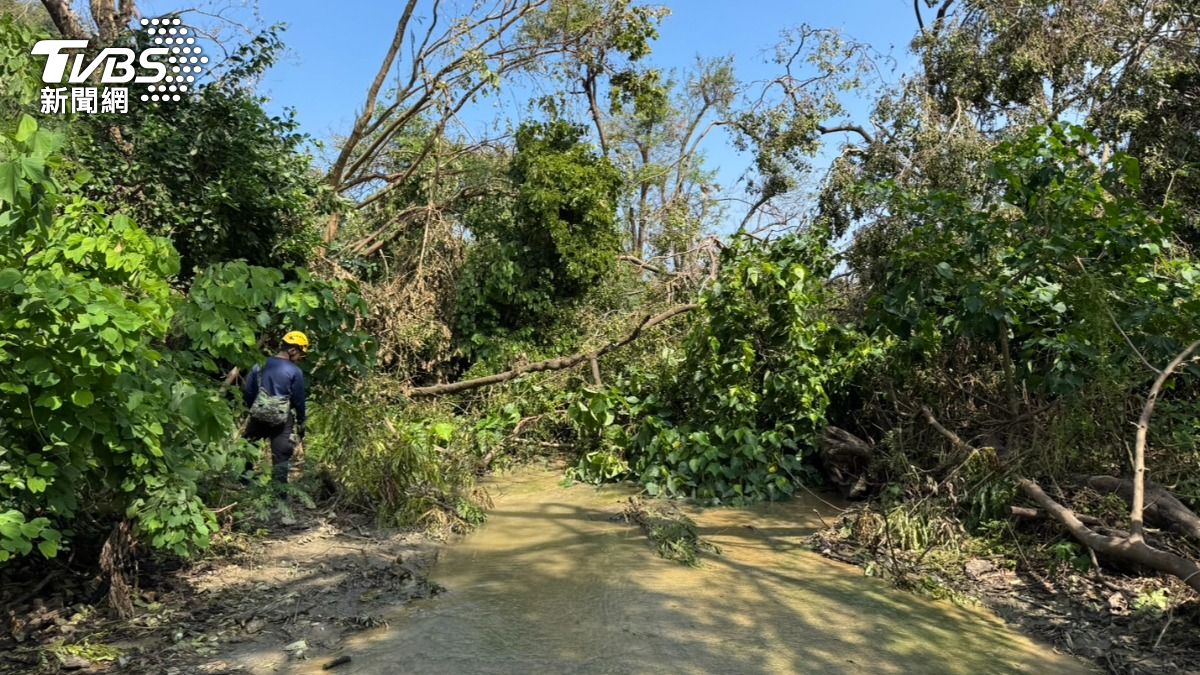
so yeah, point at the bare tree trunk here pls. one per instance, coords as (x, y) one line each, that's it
(114, 559)
(1139, 450)
(111, 20)
(364, 119)
(639, 247)
(65, 19)
(589, 87)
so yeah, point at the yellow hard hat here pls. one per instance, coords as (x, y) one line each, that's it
(296, 338)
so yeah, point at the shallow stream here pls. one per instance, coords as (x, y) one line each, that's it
(553, 584)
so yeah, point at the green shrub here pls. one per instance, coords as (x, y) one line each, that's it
(546, 244)
(408, 466)
(107, 395)
(233, 312)
(733, 413)
(93, 412)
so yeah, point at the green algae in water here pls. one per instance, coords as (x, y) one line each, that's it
(673, 534)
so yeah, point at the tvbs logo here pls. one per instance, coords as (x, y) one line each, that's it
(167, 69)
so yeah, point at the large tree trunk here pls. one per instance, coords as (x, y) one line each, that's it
(111, 20)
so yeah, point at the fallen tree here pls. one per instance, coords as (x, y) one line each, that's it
(560, 363)
(1131, 547)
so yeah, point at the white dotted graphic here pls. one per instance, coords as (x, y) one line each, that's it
(183, 55)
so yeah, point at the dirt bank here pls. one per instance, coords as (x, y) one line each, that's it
(293, 592)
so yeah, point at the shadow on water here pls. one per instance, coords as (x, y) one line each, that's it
(553, 585)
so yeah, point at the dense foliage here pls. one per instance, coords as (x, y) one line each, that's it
(549, 243)
(110, 363)
(215, 173)
(1041, 265)
(96, 414)
(1004, 243)
(733, 414)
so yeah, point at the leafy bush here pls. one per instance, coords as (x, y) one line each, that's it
(409, 467)
(234, 310)
(731, 415)
(217, 174)
(93, 411)
(1051, 267)
(545, 246)
(20, 75)
(107, 400)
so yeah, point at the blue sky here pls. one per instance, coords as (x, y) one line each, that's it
(335, 49)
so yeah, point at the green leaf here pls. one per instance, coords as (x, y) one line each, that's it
(25, 128)
(443, 431)
(9, 278)
(82, 398)
(9, 174)
(36, 484)
(48, 548)
(49, 401)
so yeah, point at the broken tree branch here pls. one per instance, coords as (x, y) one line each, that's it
(642, 264)
(1036, 514)
(954, 438)
(560, 363)
(854, 128)
(1134, 547)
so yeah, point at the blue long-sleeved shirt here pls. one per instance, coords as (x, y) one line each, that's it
(279, 377)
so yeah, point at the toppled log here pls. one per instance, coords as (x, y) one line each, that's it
(1132, 548)
(560, 363)
(836, 441)
(1127, 549)
(1136, 510)
(1161, 507)
(1091, 521)
(845, 453)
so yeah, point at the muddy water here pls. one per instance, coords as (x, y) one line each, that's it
(552, 585)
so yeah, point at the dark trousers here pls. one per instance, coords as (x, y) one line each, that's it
(282, 444)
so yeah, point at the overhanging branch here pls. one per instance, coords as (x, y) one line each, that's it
(560, 363)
